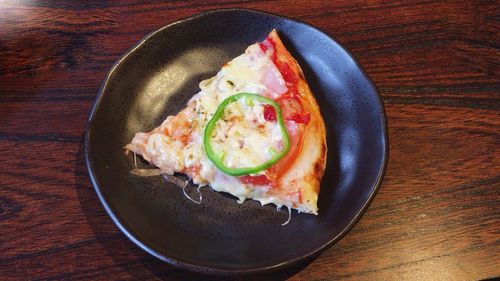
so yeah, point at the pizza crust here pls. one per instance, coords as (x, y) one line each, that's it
(309, 167)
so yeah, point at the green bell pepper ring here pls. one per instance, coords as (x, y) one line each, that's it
(218, 159)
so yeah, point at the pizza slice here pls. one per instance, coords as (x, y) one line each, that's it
(254, 131)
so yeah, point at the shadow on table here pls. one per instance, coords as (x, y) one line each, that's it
(128, 257)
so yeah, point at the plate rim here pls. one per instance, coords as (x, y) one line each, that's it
(220, 270)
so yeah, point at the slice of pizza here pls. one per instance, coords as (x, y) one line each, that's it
(254, 131)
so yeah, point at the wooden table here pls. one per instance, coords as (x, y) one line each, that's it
(435, 63)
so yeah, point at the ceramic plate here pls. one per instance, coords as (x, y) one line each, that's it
(160, 74)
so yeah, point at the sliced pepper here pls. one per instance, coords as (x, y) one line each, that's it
(218, 159)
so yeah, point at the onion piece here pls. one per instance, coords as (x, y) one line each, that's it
(146, 172)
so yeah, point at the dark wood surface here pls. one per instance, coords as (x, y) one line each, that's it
(435, 63)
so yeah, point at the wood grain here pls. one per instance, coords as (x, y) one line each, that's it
(435, 63)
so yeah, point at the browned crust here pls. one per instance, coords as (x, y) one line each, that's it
(309, 167)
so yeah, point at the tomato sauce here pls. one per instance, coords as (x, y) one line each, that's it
(292, 110)
(256, 180)
(269, 113)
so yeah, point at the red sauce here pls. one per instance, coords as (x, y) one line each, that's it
(292, 110)
(268, 44)
(291, 80)
(269, 113)
(255, 180)
(263, 47)
(287, 73)
(300, 118)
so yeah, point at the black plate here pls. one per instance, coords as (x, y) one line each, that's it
(157, 77)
